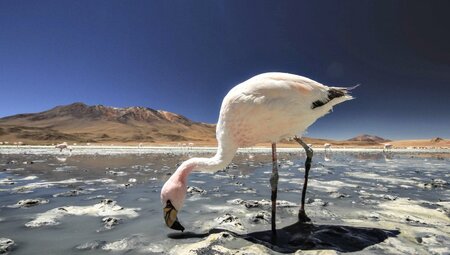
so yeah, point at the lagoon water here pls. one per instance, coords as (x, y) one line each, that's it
(368, 202)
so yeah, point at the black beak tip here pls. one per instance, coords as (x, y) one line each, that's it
(177, 226)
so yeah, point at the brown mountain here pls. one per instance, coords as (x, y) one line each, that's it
(79, 122)
(368, 138)
(436, 140)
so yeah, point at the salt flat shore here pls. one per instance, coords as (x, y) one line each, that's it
(113, 150)
(106, 199)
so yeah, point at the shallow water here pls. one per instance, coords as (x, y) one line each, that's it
(345, 189)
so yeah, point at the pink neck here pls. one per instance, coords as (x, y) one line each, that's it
(218, 162)
(184, 171)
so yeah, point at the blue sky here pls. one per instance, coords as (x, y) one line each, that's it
(183, 56)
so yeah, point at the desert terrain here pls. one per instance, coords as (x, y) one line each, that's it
(100, 125)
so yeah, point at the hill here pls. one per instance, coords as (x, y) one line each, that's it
(368, 138)
(79, 122)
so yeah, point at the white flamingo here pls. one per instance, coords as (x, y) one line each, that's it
(387, 147)
(62, 146)
(327, 147)
(266, 108)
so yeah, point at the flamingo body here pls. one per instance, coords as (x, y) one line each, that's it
(282, 102)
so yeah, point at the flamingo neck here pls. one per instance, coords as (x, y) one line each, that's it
(217, 162)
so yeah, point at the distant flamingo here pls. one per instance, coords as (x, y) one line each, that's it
(62, 146)
(266, 108)
(327, 147)
(387, 147)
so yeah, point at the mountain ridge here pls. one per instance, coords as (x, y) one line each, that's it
(368, 138)
(82, 123)
(98, 123)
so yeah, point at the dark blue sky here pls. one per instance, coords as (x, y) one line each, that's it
(183, 56)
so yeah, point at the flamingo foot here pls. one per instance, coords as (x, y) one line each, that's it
(302, 217)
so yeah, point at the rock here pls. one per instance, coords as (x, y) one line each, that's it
(261, 217)
(431, 240)
(246, 190)
(374, 216)
(110, 222)
(394, 246)
(247, 204)
(116, 173)
(125, 244)
(91, 245)
(139, 244)
(436, 183)
(215, 244)
(6, 245)
(202, 247)
(7, 181)
(127, 185)
(97, 197)
(316, 202)
(414, 220)
(264, 204)
(254, 249)
(29, 203)
(336, 194)
(72, 193)
(229, 220)
(192, 190)
(390, 197)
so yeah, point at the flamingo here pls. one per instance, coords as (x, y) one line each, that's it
(285, 104)
(327, 147)
(387, 147)
(62, 146)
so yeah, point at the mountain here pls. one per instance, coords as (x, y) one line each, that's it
(437, 140)
(79, 122)
(368, 138)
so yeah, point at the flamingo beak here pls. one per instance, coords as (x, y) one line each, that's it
(170, 216)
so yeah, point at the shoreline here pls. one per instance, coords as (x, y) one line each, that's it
(106, 150)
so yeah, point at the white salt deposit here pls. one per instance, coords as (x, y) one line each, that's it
(105, 208)
(6, 244)
(114, 150)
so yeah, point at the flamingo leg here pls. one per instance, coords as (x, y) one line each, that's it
(309, 154)
(274, 186)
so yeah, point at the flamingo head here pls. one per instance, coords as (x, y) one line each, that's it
(173, 194)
